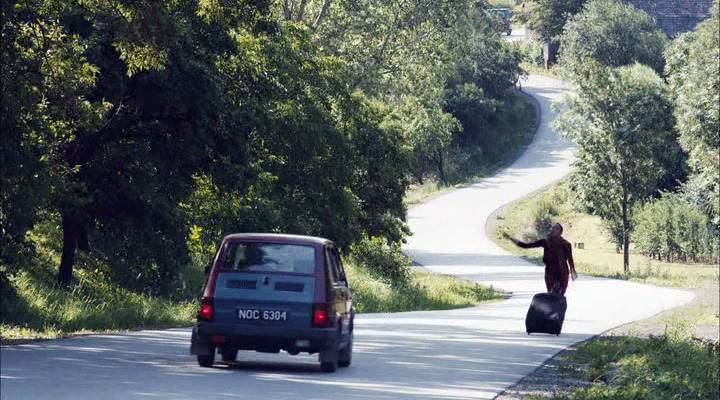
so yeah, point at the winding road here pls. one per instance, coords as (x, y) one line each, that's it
(472, 353)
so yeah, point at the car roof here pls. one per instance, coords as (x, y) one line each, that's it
(279, 237)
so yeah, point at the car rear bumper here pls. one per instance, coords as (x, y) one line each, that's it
(206, 336)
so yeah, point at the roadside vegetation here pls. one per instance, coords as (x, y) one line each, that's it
(136, 135)
(35, 306)
(422, 291)
(508, 134)
(599, 255)
(628, 368)
(642, 202)
(383, 280)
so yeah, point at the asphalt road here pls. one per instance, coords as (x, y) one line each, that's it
(472, 353)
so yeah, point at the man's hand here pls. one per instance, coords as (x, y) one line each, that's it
(573, 274)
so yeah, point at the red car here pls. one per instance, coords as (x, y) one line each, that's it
(271, 292)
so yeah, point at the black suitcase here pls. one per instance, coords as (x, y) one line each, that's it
(546, 314)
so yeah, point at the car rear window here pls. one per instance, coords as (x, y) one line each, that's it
(269, 257)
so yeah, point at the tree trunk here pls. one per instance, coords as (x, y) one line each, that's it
(74, 237)
(441, 167)
(65, 272)
(550, 51)
(626, 233)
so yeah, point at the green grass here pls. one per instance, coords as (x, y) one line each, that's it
(670, 366)
(552, 72)
(33, 307)
(425, 291)
(513, 131)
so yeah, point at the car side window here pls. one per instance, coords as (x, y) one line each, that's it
(337, 273)
(338, 264)
(330, 263)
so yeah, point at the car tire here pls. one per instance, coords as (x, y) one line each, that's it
(228, 356)
(206, 360)
(345, 355)
(328, 366)
(329, 359)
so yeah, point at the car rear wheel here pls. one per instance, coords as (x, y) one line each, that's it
(206, 360)
(228, 355)
(345, 355)
(329, 359)
(328, 366)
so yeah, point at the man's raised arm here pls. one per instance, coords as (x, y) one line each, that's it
(537, 243)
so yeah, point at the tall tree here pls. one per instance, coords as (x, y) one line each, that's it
(129, 112)
(546, 20)
(47, 103)
(622, 121)
(694, 77)
(613, 33)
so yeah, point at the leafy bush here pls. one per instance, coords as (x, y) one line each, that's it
(614, 34)
(543, 214)
(383, 259)
(672, 229)
(545, 211)
(546, 18)
(531, 52)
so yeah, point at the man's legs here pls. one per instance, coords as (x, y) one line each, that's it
(556, 279)
(549, 281)
(563, 283)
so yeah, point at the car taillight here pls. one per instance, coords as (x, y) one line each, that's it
(320, 317)
(206, 311)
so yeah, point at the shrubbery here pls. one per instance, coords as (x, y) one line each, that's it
(614, 34)
(531, 52)
(542, 213)
(383, 259)
(674, 230)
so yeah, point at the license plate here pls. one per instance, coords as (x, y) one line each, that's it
(262, 315)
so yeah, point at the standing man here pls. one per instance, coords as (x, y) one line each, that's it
(557, 256)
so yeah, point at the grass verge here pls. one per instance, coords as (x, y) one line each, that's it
(424, 291)
(513, 132)
(670, 366)
(534, 69)
(34, 307)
